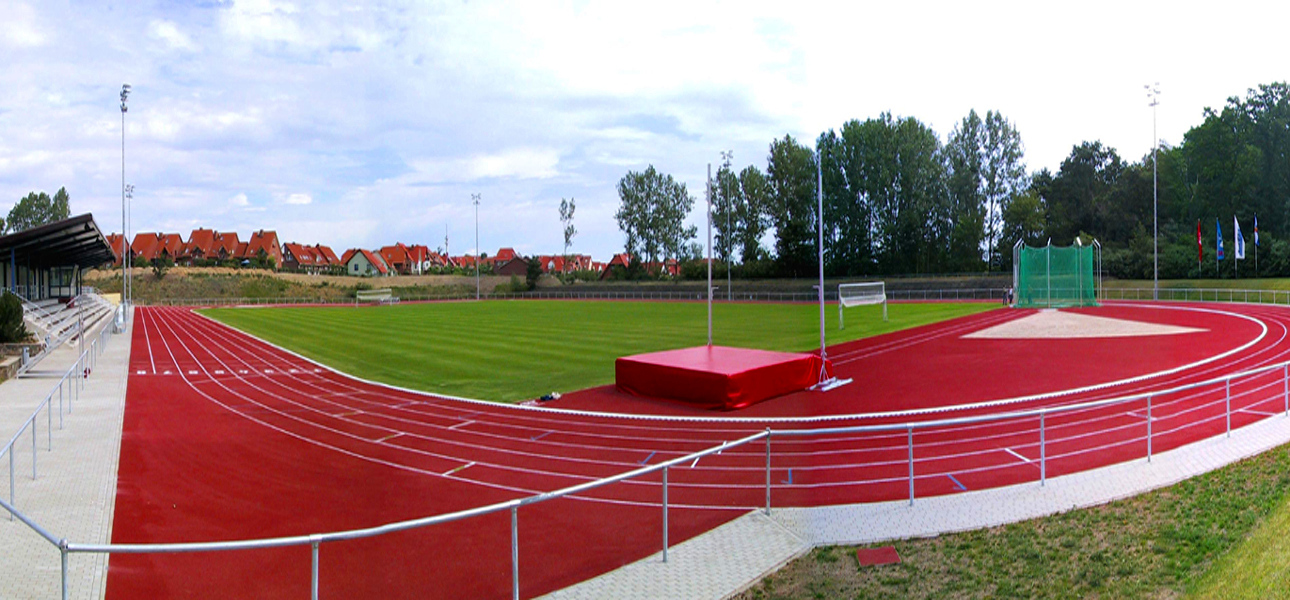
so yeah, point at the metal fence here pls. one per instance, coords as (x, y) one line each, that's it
(1200, 295)
(66, 547)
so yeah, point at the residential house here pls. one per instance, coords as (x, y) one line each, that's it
(364, 263)
(298, 257)
(201, 243)
(620, 261)
(226, 246)
(517, 265)
(114, 241)
(266, 242)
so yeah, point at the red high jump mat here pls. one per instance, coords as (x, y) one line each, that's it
(717, 377)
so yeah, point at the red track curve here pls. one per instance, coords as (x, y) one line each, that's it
(227, 438)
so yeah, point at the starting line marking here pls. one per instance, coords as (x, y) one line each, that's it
(219, 371)
(651, 455)
(956, 482)
(465, 466)
(1017, 454)
(140, 372)
(192, 372)
(166, 373)
(1138, 416)
(540, 436)
(461, 424)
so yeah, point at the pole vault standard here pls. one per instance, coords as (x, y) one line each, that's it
(826, 382)
(709, 255)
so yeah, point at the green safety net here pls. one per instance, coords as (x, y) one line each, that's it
(1051, 276)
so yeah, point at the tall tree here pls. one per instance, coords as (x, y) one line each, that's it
(1078, 197)
(566, 219)
(965, 154)
(652, 215)
(725, 222)
(791, 176)
(1004, 174)
(752, 213)
(38, 209)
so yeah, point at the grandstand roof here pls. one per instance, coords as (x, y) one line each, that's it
(75, 241)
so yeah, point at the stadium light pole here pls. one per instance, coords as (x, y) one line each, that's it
(475, 199)
(125, 234)
(709, 255)
(726, 157)
(129, 223)
(1153, 92)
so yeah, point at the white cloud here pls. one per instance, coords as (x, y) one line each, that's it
(299, 199)
(20, 28)
(239, 200)
(516, 163)
(169, 34)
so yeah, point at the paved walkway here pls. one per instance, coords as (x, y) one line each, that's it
(75, 488)
(736, 556)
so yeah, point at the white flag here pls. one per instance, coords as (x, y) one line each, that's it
(1240, 241)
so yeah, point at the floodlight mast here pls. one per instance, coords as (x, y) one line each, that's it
(1153, 92)
(709, 255)
(125, 233)
(475, 198)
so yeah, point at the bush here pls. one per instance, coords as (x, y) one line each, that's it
(12, 329)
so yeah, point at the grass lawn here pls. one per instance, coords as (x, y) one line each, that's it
(1164, 544)
(517, 350)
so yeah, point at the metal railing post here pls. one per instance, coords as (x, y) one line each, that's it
(768, 468)
(1043, 452)
(49, 422)
(313, 572)
(911, 465)
(664, 514)
(11, 480)
(60, 404)
(33, 449)
(1229, 407)
(1285, 386)
(515, 553)
(62, 549)
(1148, 428)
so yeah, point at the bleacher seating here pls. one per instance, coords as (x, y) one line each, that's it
(54, 322)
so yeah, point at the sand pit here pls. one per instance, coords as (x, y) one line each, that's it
(1056, 324)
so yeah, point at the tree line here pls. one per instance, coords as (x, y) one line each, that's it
(36, 209)
(898, 201)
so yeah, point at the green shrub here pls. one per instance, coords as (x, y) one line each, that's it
(11, 325)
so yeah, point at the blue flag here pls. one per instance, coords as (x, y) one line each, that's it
(1219, 227)
(1256, 230)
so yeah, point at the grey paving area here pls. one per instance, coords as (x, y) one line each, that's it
(73, 493)
(729, 559)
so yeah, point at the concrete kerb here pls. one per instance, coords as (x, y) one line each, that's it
(74, 495)
(687, 573)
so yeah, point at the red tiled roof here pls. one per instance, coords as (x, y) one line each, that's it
(226, 243)
(326, 254)
(504, 255)
(266, 241)
(114, 242)
(200, 244)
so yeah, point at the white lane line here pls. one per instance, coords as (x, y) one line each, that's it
(389, 437)
(1141, 416)
(1258, 412)
(1018, 455)
(461, 424)
(462, 467)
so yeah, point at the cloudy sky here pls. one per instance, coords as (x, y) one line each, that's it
(362, 126)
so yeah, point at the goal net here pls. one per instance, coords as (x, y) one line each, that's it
(1054, 276)
(381, 296)
(860, 294)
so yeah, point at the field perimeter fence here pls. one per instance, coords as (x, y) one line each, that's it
(1210, 406)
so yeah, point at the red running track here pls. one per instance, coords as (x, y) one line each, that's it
(229, 438)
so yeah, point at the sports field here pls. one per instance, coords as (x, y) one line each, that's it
(514, 351)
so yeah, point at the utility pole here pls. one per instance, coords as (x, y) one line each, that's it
(1153, 92)
(475, 199)
(125, 233)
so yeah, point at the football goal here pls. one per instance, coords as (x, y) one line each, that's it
(381, 296)
(858, 294)
(1054, 276)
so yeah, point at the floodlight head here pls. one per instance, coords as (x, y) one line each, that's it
(125, 95)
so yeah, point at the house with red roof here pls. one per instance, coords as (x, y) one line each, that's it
(327, 255)
(619, 260)
(114, 241)
(200, 244)
(365, 263)
(225, 246)
(298, 257)
(266, 242)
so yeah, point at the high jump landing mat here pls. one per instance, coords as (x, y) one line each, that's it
(716, 377)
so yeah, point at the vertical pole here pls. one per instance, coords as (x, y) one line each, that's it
(1043, 451)
(11, 480)
(911, 465)
(664, 514)
(515, 552)
(313, 574)
(768, 468)
(49, 422)
(1229, 407)
(709, 255)
(33, 449)
(1148, 428)
(1285, 386)
(819, 227)
(62, 550)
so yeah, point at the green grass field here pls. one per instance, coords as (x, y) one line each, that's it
(514, 351)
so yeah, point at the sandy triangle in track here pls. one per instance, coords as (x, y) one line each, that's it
(1055, 324)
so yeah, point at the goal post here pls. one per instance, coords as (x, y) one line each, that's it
(860, 294)
(1054, 276)
(379, 296)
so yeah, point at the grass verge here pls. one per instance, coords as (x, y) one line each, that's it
(1157, 545)
(516, 350)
